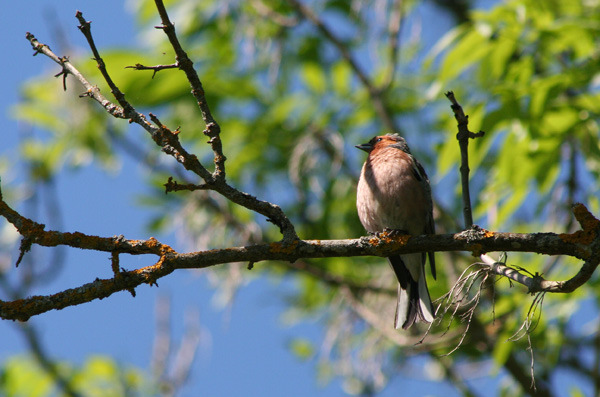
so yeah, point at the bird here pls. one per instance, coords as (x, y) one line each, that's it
(393, 194)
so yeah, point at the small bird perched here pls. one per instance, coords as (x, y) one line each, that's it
(394, 194)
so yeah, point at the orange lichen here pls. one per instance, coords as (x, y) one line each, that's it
(488, 233)
(391, 237)
(393, 241)
(287, 248)
(374, 241)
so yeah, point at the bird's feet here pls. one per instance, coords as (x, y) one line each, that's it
(392, 232)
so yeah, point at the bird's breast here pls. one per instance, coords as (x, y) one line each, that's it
(390, 196)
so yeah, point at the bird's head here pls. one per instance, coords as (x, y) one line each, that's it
(383, 141)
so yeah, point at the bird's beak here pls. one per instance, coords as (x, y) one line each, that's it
(367, 147)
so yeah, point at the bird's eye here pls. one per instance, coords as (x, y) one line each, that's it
(378, 140)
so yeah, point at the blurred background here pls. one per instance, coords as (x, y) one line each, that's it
(295, 85)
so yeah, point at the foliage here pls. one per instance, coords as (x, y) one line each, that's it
(291, 106)
(98, 376)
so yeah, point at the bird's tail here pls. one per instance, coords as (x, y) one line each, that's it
(414, 302)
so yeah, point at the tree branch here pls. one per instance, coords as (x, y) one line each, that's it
(156, 68)
(164, 137)
(213, 130)
(463, 141)
(92, 90)
(583, 244)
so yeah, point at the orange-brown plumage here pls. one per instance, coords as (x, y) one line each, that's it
(393, 193)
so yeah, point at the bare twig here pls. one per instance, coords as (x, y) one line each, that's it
(514, 367)
(167, 139)
(156, 68)
(458, 298)
(213, 130)
(463, 140)
(173, 186)
(92, 90)
(528, 326)
(85, 28)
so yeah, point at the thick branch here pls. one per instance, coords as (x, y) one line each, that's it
(34, 232)
(584, 244)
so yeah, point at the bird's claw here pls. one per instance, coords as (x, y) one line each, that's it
(392, 232)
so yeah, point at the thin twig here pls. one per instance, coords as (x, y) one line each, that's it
(174, 186)
(527, 327)
(459, 292)
(91, 90)
(213, 130)
(463, 140)
(85, 28)
(156, 68)
(167, 139)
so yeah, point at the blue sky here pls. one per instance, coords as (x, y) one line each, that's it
(244, 350)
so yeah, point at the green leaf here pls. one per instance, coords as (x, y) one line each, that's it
(559, 122)
(543, 91)
(502, 350)
(470, 49)
(341, 76)
(302, 348)
(576, 392)
(313, 76)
